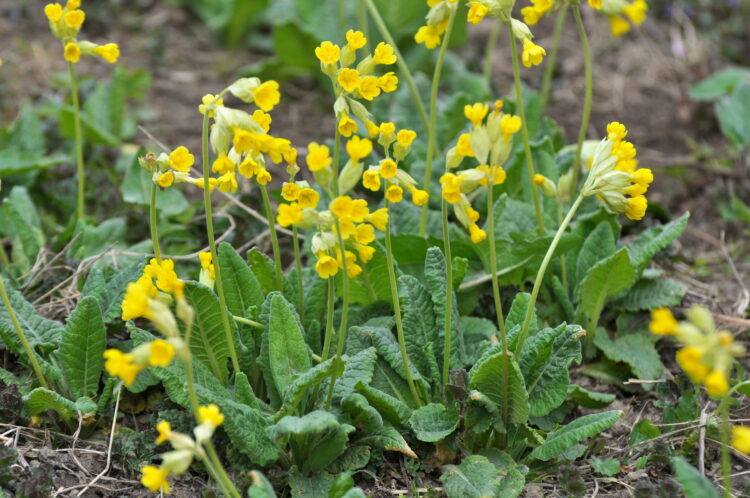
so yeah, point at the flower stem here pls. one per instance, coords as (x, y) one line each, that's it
(525, 130)
(22, 336)
(329, 322)
(397, 308)
(432, 129)
(489, 51)
(223, 478)
(274, 238)
(448, 326)
(212, 246)
(563, 260)
(152, 222)
(80, 209)
(588, 95)
(498, 305)
(247, 321)
(344, 314)
(551, 60)
(724, 431)
(402, 66)
(540, 274)
(336, 159)
(300, 282)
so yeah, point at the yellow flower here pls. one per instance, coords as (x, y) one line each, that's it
(121, 365)
(109, 52)
(477, 234)
(368, 87)
(358, 148)
(166, 179)
(394, 194)
(662, 322)
(328, 53)
(221, 165)
(477, 12)
(318, 157)
(388, 82)
(388, 168)
(290, 191)
(161, 353)
(616, 131)
(372, 129)
(355, 39)
(267, 95)
(74, 18)
(595, 4)
(211, 415)
(365, 253)
(135, 304)
(384, 54)
(205, 258)
(263, 177)
(618, 26)
(509, 125)
(308, 198)
(636, 11)
(741, 438)
(248, 168)
(227, 182)
(406, 137)
(289, 214)
(165, 432)
(379, 218)
(326, 267)
(636, 208)
(419, 197)
(532, 53)
(387, 128)
(262, 119)
(476, 113)
(210, 100)
(716, 383)
(72, 52)
(371, 180)
(364, 233)
(348, 79)
(429, 35)
(463, 147)
(73, 4)
(53, 11)
(181, 159)
(155, 478)
(531, 15)
(451, 191)
(347, 126)
(689, 359)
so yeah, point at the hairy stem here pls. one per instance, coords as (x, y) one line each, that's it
(344, 313)
(587, 97)
(551, 60)
(300, 282)
(81, 195)
(274, 238)
(448, 325)
(152, 222)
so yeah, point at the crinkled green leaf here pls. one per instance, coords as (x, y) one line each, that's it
(559, 441)
(359, 368)
(241, 288)
(605, 279)
(433, 422)
(42, 333)
(485, 377)
(476, 477)
(286, 344)
(654, 239)
(209, 341)
(599, 245)
(637, 350)
(82, 347)
(418, 318)
(648, 294)
(434, 271)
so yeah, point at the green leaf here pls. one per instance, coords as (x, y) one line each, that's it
(95, 239)
(433, 422)
(547, 355)
(589, 399)
(41, 399)
(209, 341)
(82, 347)
(693, 483)
(605, 279)
(732, 112)
(358, 368)
(260, 487)
(388, 349)
(559, 441)
(13, 162)
(264, 269)
(241, 288)
(654, 239)
(720, 83)
(608, 466)
(136, 189)
(419, 319)
(637, 350)
(43, 334)
(485, 376)
(392, 409)
(372, 284)
(114, 293)
(303, 383)
(599, 245)
(513, 474)
(313, 486)
(243, 391)
(517, 313)
(648, 294)
(434, 271)
(476, 477)
(643, 431)
(23, 226)
(287, 351)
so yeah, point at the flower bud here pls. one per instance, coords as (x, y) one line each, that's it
(350, 176)
(178, 461)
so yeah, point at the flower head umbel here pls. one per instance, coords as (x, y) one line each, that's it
(614, 176)
(621, 13)
(489, 144)
(707, 354)
(65, 23)
(354, 83)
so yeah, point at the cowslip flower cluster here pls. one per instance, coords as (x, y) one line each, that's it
(489, 143)
(148, 297)
(168, 169)
(299, 210)
(619, 12)
(707, 354)
(614, 173)
(65, 23)
(436, 22)
(185, 448)
(386, 173)
(240, 140)
(352, 83)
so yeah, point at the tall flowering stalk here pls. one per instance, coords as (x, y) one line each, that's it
(65, 24)
(614, 178)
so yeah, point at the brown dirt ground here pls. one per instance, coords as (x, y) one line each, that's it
(641, 80)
